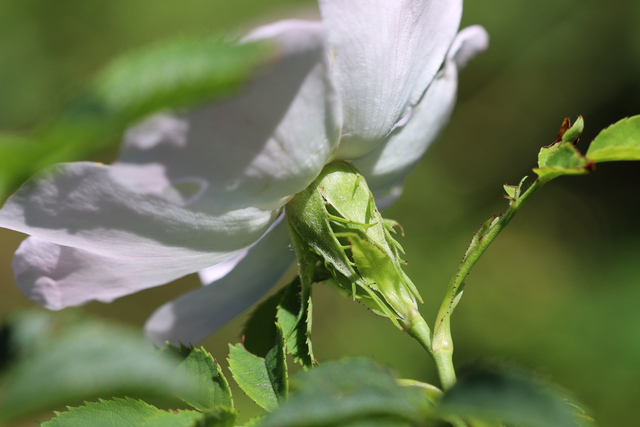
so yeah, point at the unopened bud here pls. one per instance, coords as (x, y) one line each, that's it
(335, 222)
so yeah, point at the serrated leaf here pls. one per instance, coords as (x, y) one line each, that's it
(197, 363)
(620, 141)
(220, 416)
(276, 364)
(170, 75)
(341, 393)
(123, 413)
(263, 379)
(561, 159)
(61, 362)
(292, 311)
(507, 396)
(259, 331)
(294, 316)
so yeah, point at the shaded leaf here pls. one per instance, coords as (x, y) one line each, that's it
(170, 75)
(220, 416)
(197, 363)
(294, 316)
(259, 331)
(62, 361)
(620, 141)
(348, 393)
(290, 309)
(174, 74)
(507, 396)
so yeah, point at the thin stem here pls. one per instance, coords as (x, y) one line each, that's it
(417, 328)
(442, 344)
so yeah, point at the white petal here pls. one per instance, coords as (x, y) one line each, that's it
(386, 167)
(384, 55)
(197, 314)
(56, 276)
(255, 149)
(115, 238)
(216, 272)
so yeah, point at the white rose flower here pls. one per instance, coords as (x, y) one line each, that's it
(374, 82)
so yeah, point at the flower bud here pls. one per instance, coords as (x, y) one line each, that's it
(335, 222)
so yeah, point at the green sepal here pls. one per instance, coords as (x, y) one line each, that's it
(335, 220)
(264, 380)
(377, 268)
(213, 387)
(313, 237)
(620, 141)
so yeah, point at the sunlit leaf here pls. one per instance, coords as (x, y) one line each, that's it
(561, 159)
(123, 413)
(620, 141)
(263, 379)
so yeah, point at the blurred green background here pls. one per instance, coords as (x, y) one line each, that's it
(559, 291)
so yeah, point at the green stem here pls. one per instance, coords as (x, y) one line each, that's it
(442, 344)
(417, 328)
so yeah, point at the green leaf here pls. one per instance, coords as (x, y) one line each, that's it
(175, 74)
(197, 363)
(571, 134)
(561, 159)
(263, 379)
(294, 316)
(60, 360)
(507, 396)
(259, 332)
(220, 416)
(123, 413)
(513, 192)
(620, 141)
(351, 392)
(290, 309)
(170, 75)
